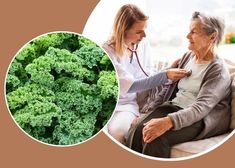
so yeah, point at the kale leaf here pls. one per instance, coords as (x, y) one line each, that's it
(61, 88)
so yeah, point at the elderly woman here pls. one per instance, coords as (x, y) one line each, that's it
(197, 106)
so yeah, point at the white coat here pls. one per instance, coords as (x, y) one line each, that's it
(128, 72)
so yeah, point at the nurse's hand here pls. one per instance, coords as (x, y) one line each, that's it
(176, 73)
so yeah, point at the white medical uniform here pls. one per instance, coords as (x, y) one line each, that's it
(127, 108)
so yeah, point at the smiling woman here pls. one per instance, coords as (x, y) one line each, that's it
(203, 37)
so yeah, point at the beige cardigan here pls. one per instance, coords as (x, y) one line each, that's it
(212, 104)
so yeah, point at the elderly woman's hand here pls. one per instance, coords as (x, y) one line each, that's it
(155, 128)
(176, 73)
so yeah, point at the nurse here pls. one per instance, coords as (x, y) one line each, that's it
(130, 55)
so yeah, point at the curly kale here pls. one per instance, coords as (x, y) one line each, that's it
(61, 88)
(108, 84)
(15, 76)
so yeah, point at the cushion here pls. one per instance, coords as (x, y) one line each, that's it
(193, 147)
(176, 153)
(231, 67)
(232, 125)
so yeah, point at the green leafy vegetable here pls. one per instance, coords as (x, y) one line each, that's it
(61, 88)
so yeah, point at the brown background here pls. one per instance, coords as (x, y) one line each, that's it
(20, 21)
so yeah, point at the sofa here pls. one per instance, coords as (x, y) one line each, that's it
(200, 146)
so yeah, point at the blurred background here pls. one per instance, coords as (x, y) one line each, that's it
(168, 25)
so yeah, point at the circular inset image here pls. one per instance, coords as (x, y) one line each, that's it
(61, 88)
(159, 117)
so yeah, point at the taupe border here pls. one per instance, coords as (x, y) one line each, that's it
(20, 22)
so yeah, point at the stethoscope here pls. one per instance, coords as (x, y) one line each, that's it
(131, 58)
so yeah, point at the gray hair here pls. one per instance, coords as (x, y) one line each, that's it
(211, 24)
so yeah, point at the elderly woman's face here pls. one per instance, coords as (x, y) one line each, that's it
(136, 33)
(198, 40)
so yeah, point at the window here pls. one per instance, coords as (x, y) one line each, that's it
(168, 23)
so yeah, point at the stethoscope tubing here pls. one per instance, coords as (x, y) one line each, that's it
(138, 61)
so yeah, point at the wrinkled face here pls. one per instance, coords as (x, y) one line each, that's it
(198, 40)
(136, 33)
